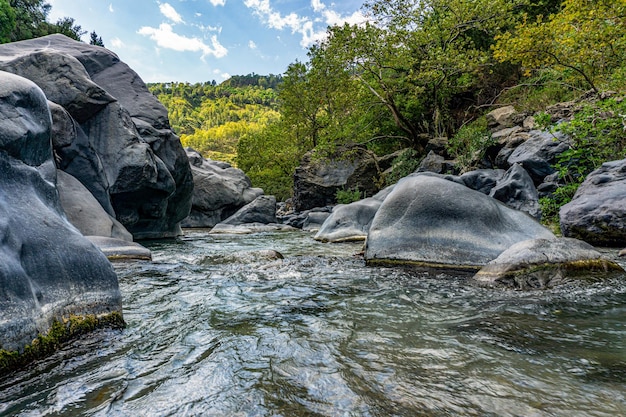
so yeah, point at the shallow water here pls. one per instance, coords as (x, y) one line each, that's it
(216, 328)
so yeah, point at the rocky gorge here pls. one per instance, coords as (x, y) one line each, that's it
(90, 164)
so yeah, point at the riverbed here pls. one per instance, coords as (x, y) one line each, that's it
(217, 326)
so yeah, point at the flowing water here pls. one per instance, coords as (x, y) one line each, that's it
(216, 327)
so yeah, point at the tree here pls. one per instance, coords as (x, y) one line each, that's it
(7, 21)
(30, 19)
(68, 27)
(94, 39)
(587, 38)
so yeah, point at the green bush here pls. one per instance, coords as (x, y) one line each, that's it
(404, 164)
(470, 143)
(597, 134)
(348, 196)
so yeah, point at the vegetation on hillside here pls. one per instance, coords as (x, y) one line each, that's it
(211, 118)
(426, 68)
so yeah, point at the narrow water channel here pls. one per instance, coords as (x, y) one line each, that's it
(218, 327)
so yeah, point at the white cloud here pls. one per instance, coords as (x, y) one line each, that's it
(117, 43)
(218, 2)
(165, 37)
(168, 11)
(252, 45)
(111, 9)
(304, 26)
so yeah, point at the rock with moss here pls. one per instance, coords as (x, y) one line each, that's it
(431, 222)
(49, 272)
(545, 263)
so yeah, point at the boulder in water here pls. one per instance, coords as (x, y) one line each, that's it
(50, 275)
(544, 263)
(429, 221)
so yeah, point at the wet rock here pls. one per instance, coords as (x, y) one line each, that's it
(314, 221)
(428, 221)
(351, 222)
(120, 250)
(219, 191)
(544, 263)
(516, 190)
(48, 271)
(597, 213)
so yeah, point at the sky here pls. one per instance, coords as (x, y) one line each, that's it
(204, 40)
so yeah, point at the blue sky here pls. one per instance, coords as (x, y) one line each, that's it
(204, 40)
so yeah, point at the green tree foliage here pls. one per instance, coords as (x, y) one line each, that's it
(30, 20)
(586, 38)
(94, 39)
(212, 118)
(7, 21)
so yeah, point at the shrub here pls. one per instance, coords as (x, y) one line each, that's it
(470, 143)
(348, 196)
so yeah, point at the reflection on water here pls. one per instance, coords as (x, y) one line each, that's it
(217, 327)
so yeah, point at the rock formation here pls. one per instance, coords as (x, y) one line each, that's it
(597, 212)
(219, 191)
(49, 272)
(109, 132)
(544, 263)
(428, 221)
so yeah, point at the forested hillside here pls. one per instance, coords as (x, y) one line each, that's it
(432, 68)
(211, 118)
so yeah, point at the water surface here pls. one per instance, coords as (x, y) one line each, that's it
(218, 328)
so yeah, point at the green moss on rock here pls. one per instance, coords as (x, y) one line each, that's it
(60, 331)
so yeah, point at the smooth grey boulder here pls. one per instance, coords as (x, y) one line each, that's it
(429, 221)
(219, 191)
(138, 160)
(517, 190)
(317, 179)
(544, 263)
(119, 249)
(314, 221)
(538, 153)
(351, 222)
(597, 212)
(48, 270)
(262, 210)
(85, 212)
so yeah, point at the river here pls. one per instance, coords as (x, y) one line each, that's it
(218, 328)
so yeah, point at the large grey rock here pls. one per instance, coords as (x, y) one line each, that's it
(428, 221)
(351, 222)
(597, 213)
(517, 190)
(120, 249)
(262, 210)
(317, 180)
(139, 161)
(544, 263)
(219, 191)
(48, 270)
(538, 154)
(85, 212)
